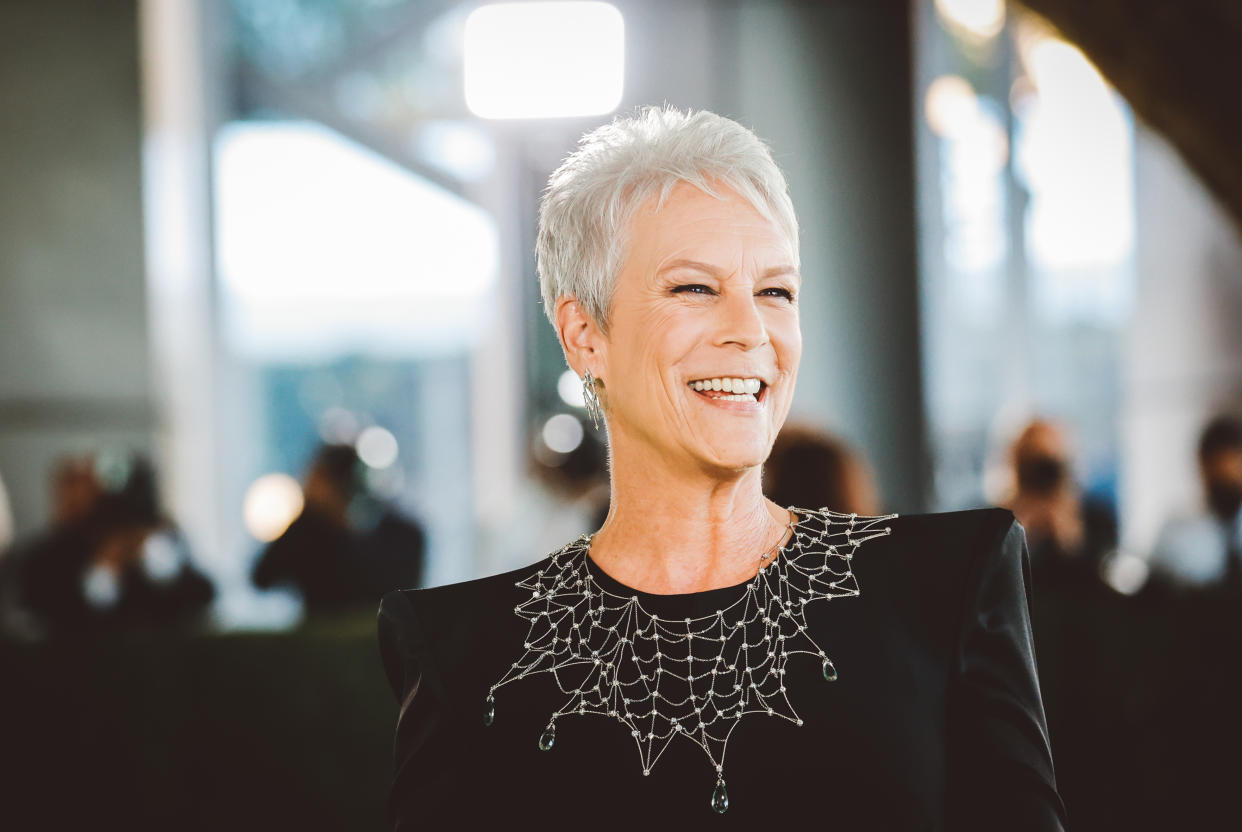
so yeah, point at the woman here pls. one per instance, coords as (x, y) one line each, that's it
(861, 672)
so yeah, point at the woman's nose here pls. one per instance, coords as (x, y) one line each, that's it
(741, 322)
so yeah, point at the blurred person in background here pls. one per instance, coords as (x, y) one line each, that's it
(1192, 631)
(109, 559)
(347, 547)
(1070, 534)
(811, 467)
(1074, 614)
(1202, 551)
(73, 491)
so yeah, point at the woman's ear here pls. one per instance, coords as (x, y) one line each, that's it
(580, 337)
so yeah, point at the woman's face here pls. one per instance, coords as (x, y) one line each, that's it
(708, 291)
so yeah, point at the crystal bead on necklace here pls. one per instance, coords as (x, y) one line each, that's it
(606, 650)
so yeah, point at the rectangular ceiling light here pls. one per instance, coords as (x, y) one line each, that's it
(544, 59)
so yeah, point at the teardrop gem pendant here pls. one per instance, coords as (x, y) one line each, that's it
(489, 711)
(720, 797)
(830, 672)
(548, 738)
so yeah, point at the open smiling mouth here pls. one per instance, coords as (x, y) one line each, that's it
(732, 392)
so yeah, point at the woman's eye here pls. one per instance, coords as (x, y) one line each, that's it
(788, 295)
(691, 287)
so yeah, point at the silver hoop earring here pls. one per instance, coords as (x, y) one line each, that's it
(591, 397)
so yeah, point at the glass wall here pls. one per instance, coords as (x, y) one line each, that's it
(355, 269)
(1026, 244)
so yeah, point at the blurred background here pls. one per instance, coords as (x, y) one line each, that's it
(271, 345)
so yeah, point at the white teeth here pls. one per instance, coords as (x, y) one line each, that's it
(742, 389)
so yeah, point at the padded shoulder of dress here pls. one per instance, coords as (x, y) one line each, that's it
(963, 519)
(445, 602)
(950, 529)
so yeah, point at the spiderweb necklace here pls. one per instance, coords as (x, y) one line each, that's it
(696, 676)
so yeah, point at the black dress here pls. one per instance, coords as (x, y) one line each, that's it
(935, 721)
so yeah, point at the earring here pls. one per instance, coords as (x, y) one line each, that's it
(591, 398)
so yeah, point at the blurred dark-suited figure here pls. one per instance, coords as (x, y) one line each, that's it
(810, 467)
(1191, 629)
(1069, 534)
(347, 547)
(1203, 551)
(109, 559)
(1076, 621)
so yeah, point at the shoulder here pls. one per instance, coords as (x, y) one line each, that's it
(954, 524)
(930, 566)
(1189, 549)
(433, 608)
(987, 581)
(424, 632)
(966, 574)
(961, 540)
(1184, 533)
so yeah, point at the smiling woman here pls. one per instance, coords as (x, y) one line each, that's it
(668, 257)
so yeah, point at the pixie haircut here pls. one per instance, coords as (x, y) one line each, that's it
(586, 209)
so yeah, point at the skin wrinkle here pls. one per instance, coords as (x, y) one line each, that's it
(688, 512)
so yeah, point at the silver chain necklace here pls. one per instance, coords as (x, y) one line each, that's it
(614, 658)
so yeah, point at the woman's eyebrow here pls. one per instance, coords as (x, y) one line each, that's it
(779, 270)
(707, 268)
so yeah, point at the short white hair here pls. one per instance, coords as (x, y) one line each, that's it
(586, 209)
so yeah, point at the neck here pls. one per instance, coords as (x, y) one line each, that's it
(671, 531)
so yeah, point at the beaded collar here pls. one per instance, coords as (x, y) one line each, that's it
(695, 676)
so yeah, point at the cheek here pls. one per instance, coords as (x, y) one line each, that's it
(787, 341)
(665, 337)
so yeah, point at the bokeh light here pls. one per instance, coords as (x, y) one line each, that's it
(980, 19)
(377, 447)
(545, 59)
(569, 387)
(562, 433)
(272, 502)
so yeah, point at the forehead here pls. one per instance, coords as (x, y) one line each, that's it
(692, 221)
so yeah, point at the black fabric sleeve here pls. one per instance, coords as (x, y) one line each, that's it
(422, 744)
(400, 642)
(1000, 771)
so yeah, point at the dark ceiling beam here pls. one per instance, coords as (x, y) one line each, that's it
(1178, 65)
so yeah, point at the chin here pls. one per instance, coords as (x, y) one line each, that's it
(739, 458)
